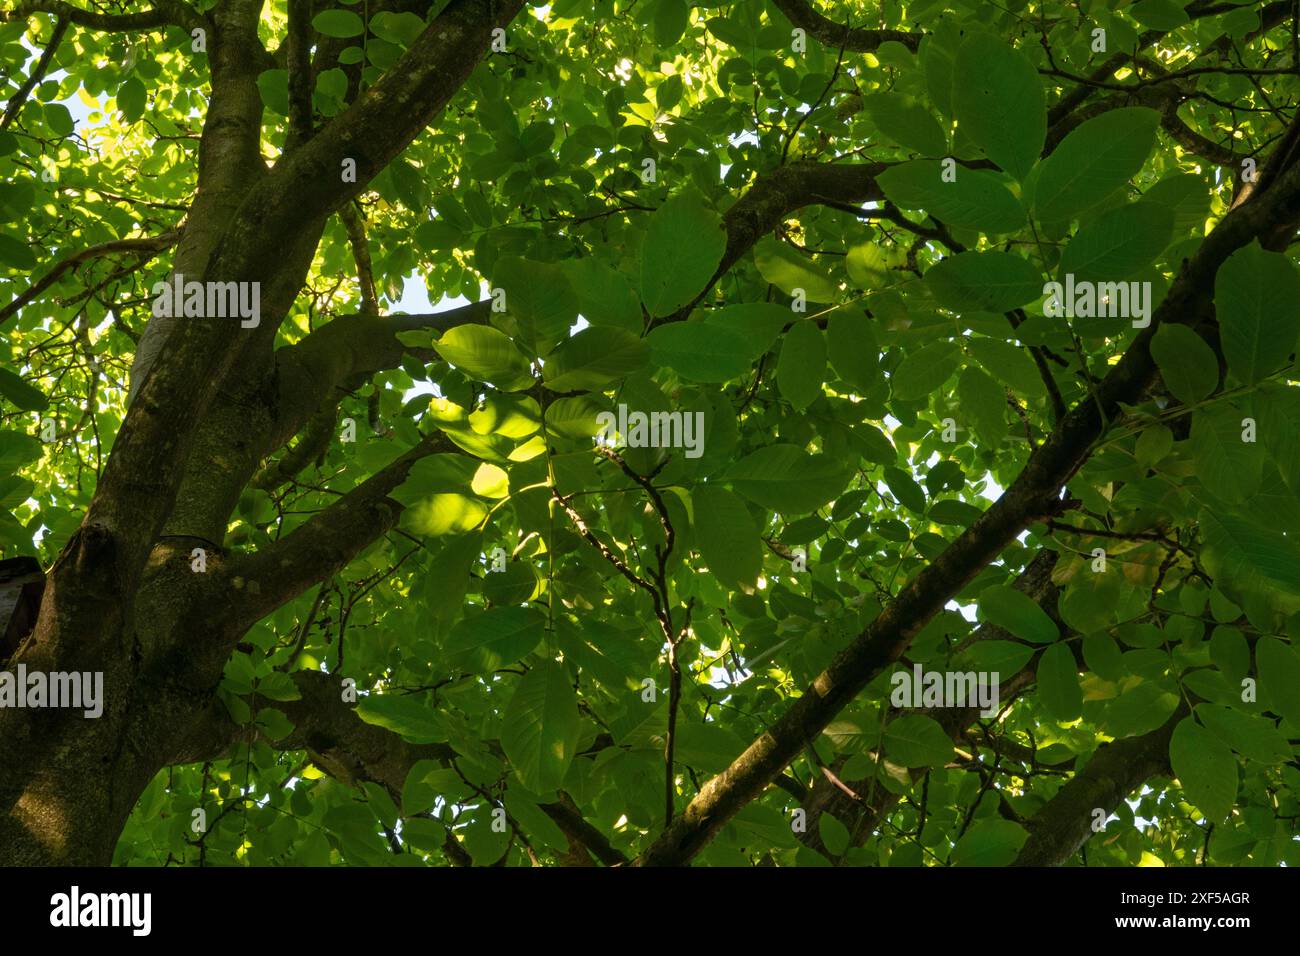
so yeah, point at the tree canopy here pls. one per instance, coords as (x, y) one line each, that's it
(784, 365)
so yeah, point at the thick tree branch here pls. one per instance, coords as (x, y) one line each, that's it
(230, 163)
(307, 185)
(840, 36)
(775, 195)
(268, 238)
(1114, 771)
(312, 444)
(862, 816)
(314, 374)
(277, 573)
(162, 14)
(298, 59)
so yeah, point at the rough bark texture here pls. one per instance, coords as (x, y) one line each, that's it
(205, 410)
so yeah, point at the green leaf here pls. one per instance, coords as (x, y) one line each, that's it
(487, 354)
(481, 839)
(605, 296)
(534, 821)
(835, 835)
(131, 99)
(700, 351)
(273, 86)
(983, 403)
(905, 122)
(758, 323)
(59, 119)
(1118, 243)
(1163, 15)
(684, 242)
(541, 303)
(21, 394)
(425, 782)
(937, 53)
(17, 255)
(1251, 557)
(853, 736)
(18, 450)
(338, 23)
(1016, 612)
(1205, 767)
(1188, 366)
(989, 842)
(791, 270)
(540, 731)
(1009, 364)
(1225, 464)
(915, 740)
(984, 281)
(998, 102)
(1257, 300)
(852, 349)
(669, 93)
(399, 28)
(1003, 658)
(787, 479)
(1230, 653)
(670, 20)
(273, 723)
(1103, 656)
(514, 585)
(1255, 738)
(976, 199)
(278, 686)
(441, 514)
(802, 365)
(923, 371)
(411, 716)
(953, 512)
(495, 638)
(1058, 683)
(869, 264)
(726, 535)
(594, 358)
(1279, 676)
(444, 587)
(1139, 709)
(905, 489)
(1094, 160)
(1278, 410)
(1187, 196)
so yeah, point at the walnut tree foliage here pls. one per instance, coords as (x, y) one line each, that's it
(364, 588)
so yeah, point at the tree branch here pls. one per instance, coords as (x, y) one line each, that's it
(837, 36)
(163, 13)
(1034, 494)
(277, 573)
(307, 185)
(16, 101)
(356, 229)
(152, 245)
(313, 375)
(354, 752)
(298, 60)
(775, 195)
(1114, 771)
